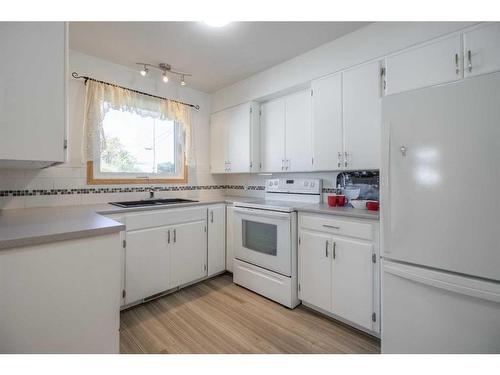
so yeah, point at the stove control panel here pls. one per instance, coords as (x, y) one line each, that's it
(294, 185)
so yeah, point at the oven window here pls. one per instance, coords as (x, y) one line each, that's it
(260, 237)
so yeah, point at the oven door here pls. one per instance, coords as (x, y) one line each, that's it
(263, 238)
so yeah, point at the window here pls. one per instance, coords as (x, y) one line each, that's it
(135, 138)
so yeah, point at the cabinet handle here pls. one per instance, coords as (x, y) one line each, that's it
(326, 248)
(211, 216)
(469, 60)
(339, 157)
(345, 159)
(282, 164)
(330, 226)
(287, 164)
(457, 69)
(174, 236)
(334, 249)
(168, 236)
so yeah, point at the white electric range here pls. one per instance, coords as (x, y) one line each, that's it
(265, 238)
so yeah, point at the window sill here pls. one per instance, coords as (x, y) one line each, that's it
(117, 181)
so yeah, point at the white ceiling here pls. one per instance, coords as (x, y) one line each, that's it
(217, 57)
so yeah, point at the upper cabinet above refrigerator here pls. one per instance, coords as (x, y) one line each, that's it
(431, 64)
(32, 94)
(482, 50)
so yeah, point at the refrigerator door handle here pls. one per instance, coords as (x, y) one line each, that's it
(442, 284)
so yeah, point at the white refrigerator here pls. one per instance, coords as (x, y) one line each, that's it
(440, 199)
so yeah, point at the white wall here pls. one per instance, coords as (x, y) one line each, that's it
(73, 174)
(368, 43)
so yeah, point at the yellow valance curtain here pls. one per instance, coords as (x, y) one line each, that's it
(102, 97)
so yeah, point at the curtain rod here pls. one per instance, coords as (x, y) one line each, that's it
(76, 76)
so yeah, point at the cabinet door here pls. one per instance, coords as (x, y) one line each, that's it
(362, 123)
(238, 138)
(315, 269)
(482, 50)
(229, 238)
(352, 285)
(327, 123)
(188, 253)
(272, 128)
(216, 239)
(147, 263)
(427, 65)
(218, 142)
(33, 91)
(298, 143)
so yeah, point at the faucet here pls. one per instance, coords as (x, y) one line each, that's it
(151, 192)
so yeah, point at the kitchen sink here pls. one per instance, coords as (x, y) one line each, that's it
(151, 202)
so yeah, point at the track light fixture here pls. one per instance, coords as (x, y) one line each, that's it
(165, 70)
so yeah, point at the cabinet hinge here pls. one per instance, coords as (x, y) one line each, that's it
(124, 243)
(65, 144)
(374, 317)
(312, 93)
(374, 258)
(124, 293)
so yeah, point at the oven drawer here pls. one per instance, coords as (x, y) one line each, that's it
(343, 227)
(274, 286)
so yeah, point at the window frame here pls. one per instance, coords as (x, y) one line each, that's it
(96, 177)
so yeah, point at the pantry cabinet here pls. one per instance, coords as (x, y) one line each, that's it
(339, 269)
(216, 239)
(431, 64)
(482, 50)
(33, 95)
(234, 139)
(286, 133)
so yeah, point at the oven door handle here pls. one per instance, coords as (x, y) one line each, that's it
(263, 213)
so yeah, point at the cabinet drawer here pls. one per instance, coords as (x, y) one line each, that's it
(156, 218)
(338, 226)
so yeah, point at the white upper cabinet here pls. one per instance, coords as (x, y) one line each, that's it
(286, 143)
(361, 91)
(234, 139)
(327, 123)
(32, 93)
(218, 142)
(427, 65)
(272, 128)
(482, 50)
(298, 142)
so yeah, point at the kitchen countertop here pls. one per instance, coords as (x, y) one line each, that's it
(323, 208)
(33, 226)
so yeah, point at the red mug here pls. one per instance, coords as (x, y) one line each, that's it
(372, 205)
(332, 200)
(341, 200)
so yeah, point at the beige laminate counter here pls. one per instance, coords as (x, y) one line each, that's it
(323, 208)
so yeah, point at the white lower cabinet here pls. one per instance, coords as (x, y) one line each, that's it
(188, 255)
(229, 238)
(147, 263)
(339, 268)
(216, 239)
(165, 249)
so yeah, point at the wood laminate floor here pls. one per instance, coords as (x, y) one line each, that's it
(217, 316)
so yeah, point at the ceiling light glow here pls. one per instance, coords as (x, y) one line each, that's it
(216, 22)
